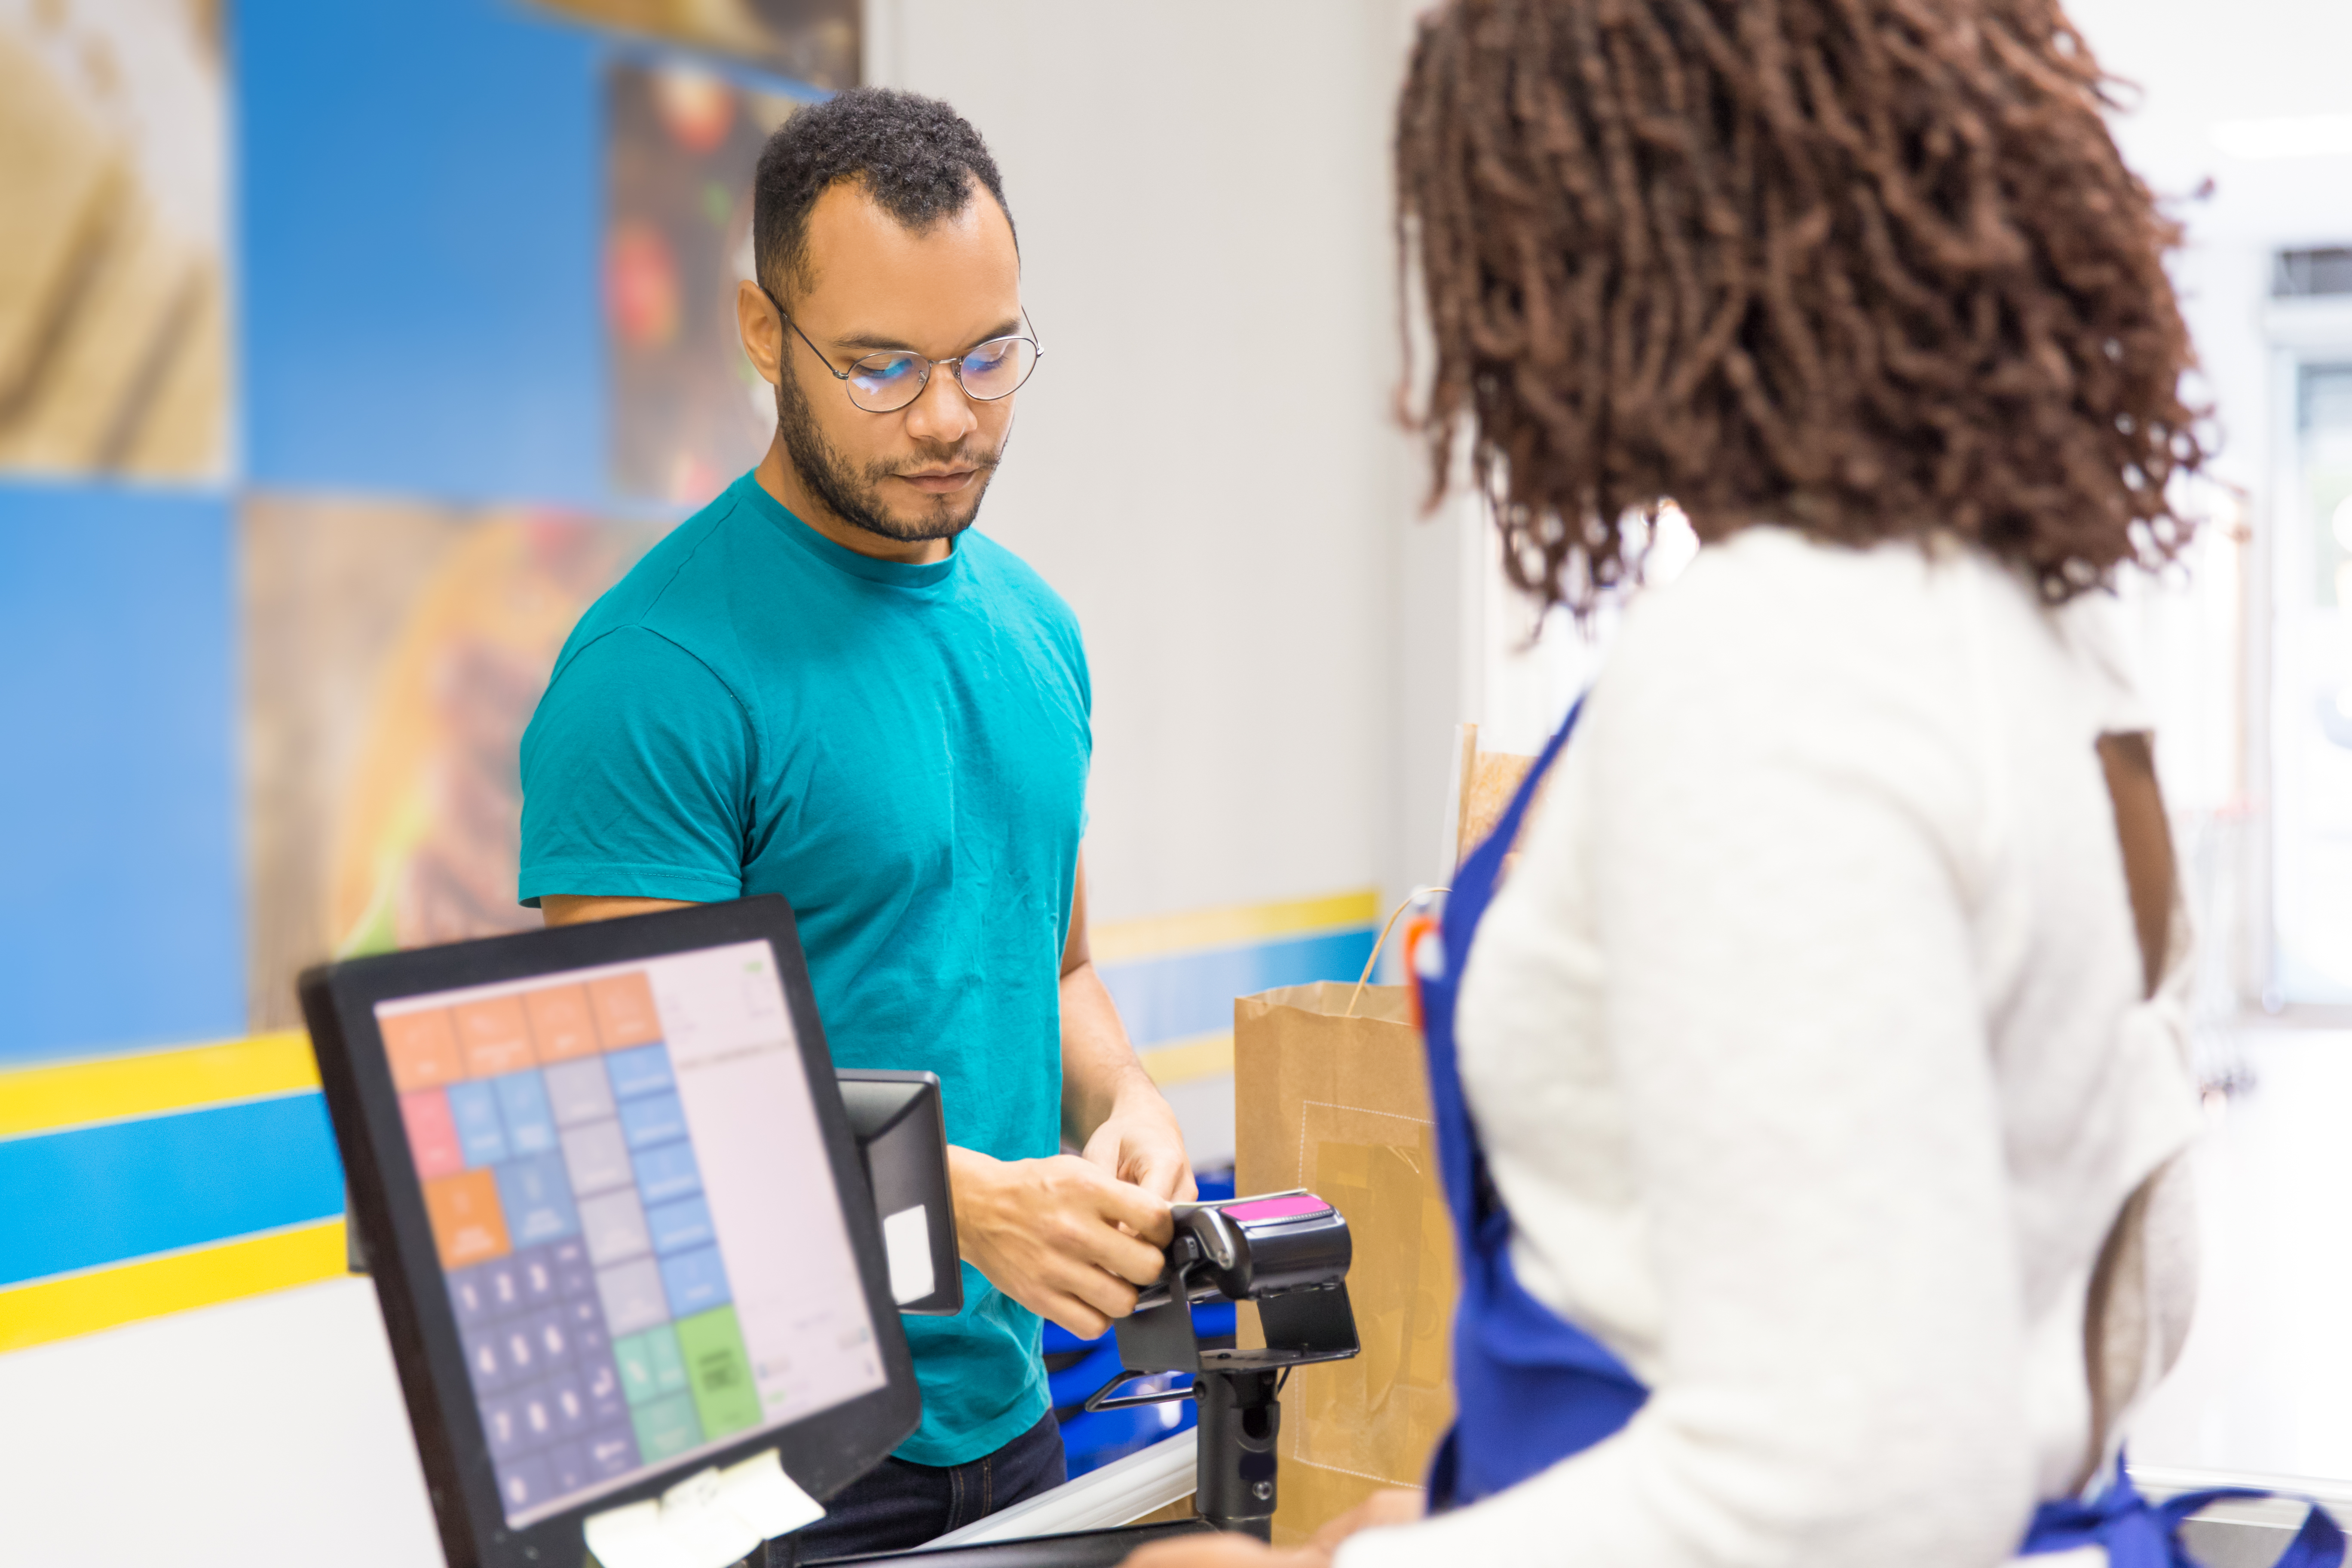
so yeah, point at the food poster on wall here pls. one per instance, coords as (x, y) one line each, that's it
(690, 413)
(113, 310)
(814, 41)
(393, 654)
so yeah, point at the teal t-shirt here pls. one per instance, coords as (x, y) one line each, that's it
(901, 751)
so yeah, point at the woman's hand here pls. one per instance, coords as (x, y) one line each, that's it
(1396, 1505)
(1226, 1549)
(1391, 1505)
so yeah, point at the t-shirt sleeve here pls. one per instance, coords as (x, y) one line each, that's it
(635, 772)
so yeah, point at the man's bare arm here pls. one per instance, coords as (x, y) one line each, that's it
(1110, 1107)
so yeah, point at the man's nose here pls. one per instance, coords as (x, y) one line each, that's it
(942, 413)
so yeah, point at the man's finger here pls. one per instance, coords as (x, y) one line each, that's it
(1144, 1213)
(1165, 1175)
(1113, 1253)
(1082, 1321)
(1103, 1151)
(1104, 1292)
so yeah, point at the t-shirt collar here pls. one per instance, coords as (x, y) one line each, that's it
(889, 573)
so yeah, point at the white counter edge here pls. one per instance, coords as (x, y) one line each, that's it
(1119, 1493)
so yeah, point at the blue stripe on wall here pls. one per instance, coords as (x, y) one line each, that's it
(123, 920)
(421, 187)
(76, 1200)
(1189, 994)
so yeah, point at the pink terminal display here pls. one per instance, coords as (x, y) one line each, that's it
(1288, 1205)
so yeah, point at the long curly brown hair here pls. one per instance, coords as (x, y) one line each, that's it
(1869, 268)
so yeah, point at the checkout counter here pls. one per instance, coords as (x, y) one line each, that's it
(641, 1254)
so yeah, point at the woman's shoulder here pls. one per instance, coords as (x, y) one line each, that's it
(1770, 603)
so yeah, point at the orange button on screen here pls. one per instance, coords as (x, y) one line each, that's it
(625, 1010)
(494, 1036)
(468, 1226)
(422, 1049)
(560, 1025)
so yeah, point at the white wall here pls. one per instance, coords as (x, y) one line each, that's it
(267, 1432)
(1205, 465)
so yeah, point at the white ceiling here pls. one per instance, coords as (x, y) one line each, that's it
(2200, 62)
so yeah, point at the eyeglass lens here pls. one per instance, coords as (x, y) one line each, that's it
(882, 383)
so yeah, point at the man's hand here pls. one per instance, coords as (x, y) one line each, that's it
(1063, 1238)
(1140, 1141)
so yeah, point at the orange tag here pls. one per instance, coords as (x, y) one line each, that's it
(1420, 926)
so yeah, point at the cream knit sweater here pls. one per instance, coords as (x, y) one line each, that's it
(1807, 1046)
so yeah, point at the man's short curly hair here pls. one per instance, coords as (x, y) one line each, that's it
(916, 157)
(1868, 268)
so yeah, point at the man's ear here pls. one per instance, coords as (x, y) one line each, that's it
(762, 331)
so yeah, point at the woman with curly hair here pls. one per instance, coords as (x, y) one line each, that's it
(1812, 1095)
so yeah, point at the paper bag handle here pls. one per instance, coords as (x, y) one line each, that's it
(1365, 979)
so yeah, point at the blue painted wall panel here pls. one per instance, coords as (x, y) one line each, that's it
(101, 1195)
(1173, 998)
(420, 184)
(123, 920)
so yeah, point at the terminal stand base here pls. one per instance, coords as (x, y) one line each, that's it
(1241, 1416)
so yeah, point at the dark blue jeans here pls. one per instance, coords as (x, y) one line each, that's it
(900, 1506)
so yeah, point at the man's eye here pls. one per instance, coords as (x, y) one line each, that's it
(885, 371)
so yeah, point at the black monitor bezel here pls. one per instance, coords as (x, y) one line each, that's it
(823, 1452)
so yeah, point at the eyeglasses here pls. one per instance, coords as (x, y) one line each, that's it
(887, 381)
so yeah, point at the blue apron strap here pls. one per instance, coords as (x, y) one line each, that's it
(1458, 1157)
(1483, 864)
(2138, 1534)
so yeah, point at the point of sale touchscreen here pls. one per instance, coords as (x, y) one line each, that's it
(635, 1216)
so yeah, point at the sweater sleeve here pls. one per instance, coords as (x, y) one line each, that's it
(1793, 1019)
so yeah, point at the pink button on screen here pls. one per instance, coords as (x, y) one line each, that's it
(1277, 1209)
(432, 1133)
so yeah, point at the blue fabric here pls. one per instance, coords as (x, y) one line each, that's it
(901, 751)
(1531, 1388)
(2138, 1533)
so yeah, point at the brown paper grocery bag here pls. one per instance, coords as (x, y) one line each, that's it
(1339, 1105)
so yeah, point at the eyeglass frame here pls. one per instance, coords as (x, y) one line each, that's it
(930, 364)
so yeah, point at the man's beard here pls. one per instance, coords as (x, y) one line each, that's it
(854, 497)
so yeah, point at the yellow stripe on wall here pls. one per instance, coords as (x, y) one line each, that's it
(69, 1094)
(106, 1298)
(1182, 1061)
(148, 1083)
(1113, 942)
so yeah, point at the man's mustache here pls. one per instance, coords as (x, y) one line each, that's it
(978, 460)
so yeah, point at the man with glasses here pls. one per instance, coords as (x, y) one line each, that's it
(823, 686)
